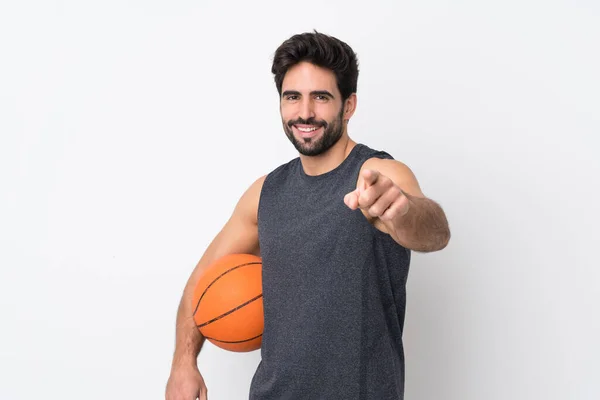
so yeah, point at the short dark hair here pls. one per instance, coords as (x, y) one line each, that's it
(321, 50)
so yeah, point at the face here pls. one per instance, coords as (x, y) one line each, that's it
(311, 109)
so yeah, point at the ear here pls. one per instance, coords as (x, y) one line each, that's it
(350, 107)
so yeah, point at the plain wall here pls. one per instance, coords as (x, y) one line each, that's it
(129, 129)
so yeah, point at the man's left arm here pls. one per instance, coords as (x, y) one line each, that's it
(388, 194)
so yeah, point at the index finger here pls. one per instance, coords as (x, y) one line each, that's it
(370, 176)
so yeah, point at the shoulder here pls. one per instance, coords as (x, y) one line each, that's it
(250, 200)
(385, 165)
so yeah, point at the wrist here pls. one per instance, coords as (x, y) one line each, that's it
(184, 360)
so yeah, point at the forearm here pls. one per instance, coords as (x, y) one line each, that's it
(189, 340)
(424, 227)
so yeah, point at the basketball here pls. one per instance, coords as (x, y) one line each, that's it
(227, 303)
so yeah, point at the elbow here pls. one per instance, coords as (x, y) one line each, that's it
(437, 243)
(445, 239)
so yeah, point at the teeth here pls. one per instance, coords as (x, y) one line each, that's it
(307, 129)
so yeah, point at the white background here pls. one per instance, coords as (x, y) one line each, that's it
(129, 129)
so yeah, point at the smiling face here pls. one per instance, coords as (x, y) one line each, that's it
(312, 111)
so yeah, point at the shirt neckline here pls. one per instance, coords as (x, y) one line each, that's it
(334, 171)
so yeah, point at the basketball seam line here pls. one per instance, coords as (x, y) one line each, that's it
(230, 311)
(219, 277)
(236, 341)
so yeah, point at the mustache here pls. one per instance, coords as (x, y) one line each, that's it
(310, 121)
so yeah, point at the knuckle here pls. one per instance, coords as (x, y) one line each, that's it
(374, 211)
(389, 213)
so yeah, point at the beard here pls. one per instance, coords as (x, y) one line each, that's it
(332, 132)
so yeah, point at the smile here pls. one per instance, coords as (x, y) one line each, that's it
(314, 128)
(307, 131)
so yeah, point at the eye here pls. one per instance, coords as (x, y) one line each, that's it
(321, 97)
(291, 97)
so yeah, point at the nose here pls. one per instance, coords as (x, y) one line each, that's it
(306, 109)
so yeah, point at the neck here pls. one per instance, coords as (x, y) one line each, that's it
(331, 159)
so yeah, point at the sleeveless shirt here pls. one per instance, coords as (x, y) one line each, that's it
(334, 292)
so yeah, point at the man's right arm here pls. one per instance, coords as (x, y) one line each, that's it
(239, 235)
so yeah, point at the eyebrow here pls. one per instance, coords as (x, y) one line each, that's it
(313, 93)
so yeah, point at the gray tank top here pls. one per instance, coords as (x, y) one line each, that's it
(333, 290)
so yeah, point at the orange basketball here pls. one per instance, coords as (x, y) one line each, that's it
(228, 306)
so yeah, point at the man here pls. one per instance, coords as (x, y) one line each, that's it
(334, 228)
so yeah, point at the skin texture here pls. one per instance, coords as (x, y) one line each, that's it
(387, 193)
